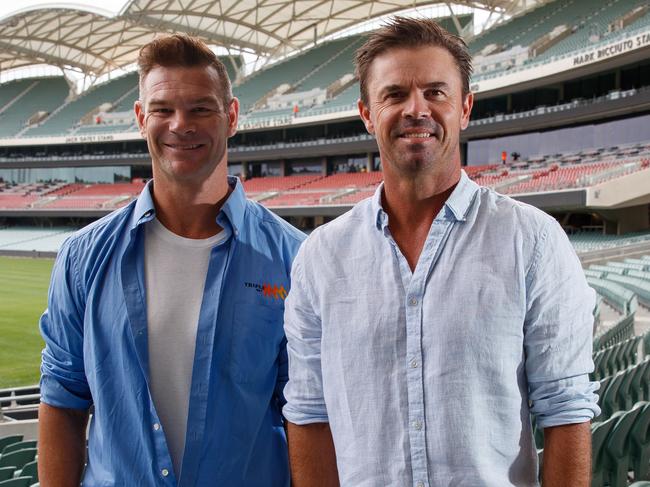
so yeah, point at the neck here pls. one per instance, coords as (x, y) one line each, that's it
(190, 210)
(417, 200)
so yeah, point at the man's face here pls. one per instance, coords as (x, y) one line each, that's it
(416, 110)
(182, 117)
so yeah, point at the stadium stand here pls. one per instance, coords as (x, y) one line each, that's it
(38, 100)
(87, 105)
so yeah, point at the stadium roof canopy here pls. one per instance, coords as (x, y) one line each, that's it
(95, 42)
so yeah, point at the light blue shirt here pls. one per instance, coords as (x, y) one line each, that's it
(95, 331)
(429, 378)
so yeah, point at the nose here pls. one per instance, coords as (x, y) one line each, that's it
(416, 106)
(181, 123)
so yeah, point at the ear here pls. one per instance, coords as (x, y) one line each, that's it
(233, 116)
(468, 103)
(138, 107)
(364, 113)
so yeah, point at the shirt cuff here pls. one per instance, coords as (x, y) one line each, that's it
(566, 401)
(295, 416)
(55, 394)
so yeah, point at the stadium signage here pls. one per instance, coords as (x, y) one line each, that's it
(613, 49)
(89, 138)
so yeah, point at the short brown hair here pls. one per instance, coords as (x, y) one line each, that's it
(181, 50)
(402, 32)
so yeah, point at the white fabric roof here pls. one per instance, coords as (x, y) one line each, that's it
(96, 42)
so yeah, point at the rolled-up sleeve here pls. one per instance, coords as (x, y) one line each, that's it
(558, 334)
(63, 380)
(302, 326)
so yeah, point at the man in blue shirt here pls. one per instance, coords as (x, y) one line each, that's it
(426, 325)
(166, 316)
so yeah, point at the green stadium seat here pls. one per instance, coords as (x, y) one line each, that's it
(636, 387)
(642, 483)
(599, 433)
(18, 458)
(617, 458)
(646, 344)
(29, 470)
(7, 473)
(640, 438)
(625, 400)
(21, 445)
(645, 382)
(8, 440)
(604, 384)
(17, 482)
(610, 396)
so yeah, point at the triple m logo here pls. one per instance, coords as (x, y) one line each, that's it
(271, 291)
(274, 291)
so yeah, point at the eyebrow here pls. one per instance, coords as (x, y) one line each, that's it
(198, 101)
(398, 87)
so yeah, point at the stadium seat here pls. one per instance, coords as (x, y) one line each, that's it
(17, 482)
(624, 397)
(640, 438)
(18, 458)
(8, 440)
(7, 473)
(617, 458)
(599, 433)
(642, 483)
(21, 445)
(29, 470)
(636, 387)
(610, 396)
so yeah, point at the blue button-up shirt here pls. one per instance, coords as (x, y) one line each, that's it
(95, 330)
(428, 378)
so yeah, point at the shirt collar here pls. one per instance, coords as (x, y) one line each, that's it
(231, 214)
(457, 205)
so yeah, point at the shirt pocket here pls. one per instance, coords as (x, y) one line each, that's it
(256, 340)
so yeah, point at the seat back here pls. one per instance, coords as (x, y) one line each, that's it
(640, 432)
(7, 473)
(30, 470)
(610, 397)
(18, 458)
(17, 482)
(21, 445)
(617, 444)
(8, 440)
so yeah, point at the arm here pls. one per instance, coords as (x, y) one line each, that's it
(312, 456)
(311, 448)
(558, 350)
(61, 445)
(567, 456)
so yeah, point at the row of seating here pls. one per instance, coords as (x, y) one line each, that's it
(18, 462)
(621, 331)
(626, 387)
(621, 444)
(608, 361)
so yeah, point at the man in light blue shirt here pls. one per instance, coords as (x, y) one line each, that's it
(426, 325)
(106, 335)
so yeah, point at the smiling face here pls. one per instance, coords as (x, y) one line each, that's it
(182, 117)
(416, 110)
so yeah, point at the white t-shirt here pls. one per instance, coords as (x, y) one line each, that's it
(175, 272)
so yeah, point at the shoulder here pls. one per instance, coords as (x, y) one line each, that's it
(344, 232)
(96, 232)
(504, 211)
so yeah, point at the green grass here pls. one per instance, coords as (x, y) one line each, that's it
(23, 298)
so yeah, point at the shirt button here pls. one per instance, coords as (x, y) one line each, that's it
(414, 364)
(417, 424)
(413, 301)
(164, 472)
(156, 426)
(419, 484)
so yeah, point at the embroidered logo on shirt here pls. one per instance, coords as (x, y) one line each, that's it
(269, 290)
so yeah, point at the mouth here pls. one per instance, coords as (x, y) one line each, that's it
(416, 135)
(184, 147)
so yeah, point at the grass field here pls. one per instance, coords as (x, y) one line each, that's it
(23, 297)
